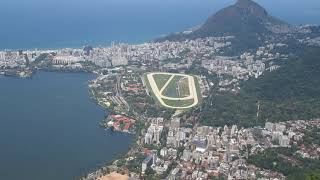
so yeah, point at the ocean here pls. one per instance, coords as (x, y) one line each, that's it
(43, 24)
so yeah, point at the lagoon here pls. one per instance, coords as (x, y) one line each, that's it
(49, 128)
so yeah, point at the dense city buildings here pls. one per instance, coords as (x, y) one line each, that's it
(172, 143)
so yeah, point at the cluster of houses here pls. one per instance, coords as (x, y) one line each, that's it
(120, 123)
(204, 151)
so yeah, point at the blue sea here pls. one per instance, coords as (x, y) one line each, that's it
(30, 24)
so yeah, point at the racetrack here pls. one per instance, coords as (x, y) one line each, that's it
(159, 93)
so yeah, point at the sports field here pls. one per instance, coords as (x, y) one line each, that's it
(176, 91)
(161, 79)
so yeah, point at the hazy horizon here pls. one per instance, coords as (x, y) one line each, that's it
(28, 24)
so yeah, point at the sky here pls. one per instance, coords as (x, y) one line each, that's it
(295, 11)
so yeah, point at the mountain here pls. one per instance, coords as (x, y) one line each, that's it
(246, 20)
(245, 16)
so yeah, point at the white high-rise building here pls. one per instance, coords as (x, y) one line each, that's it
(148, 138)
(175, 123)
(164, 152)
(187, 154)
(280, 127)
(119, 61)
(234, 129)
(284, 141)
(269, 126)
(156, 135)
(276, 135)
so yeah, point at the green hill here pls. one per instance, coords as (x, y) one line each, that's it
(246, 20)
(290, 93)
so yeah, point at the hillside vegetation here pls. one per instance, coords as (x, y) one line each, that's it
(290, 93)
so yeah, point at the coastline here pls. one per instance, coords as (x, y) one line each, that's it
(79, 45)
(104, 173)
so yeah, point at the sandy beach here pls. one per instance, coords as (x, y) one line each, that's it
(114, 176)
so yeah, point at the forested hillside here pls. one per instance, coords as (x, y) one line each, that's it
(290, 93)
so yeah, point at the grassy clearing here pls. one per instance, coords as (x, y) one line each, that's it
(183, 87)
(161, 79)
(182, 103)
(172, 88)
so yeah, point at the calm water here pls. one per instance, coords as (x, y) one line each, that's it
(49, 128)
(30, 24)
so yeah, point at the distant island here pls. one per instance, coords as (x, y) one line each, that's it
(236, 98)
